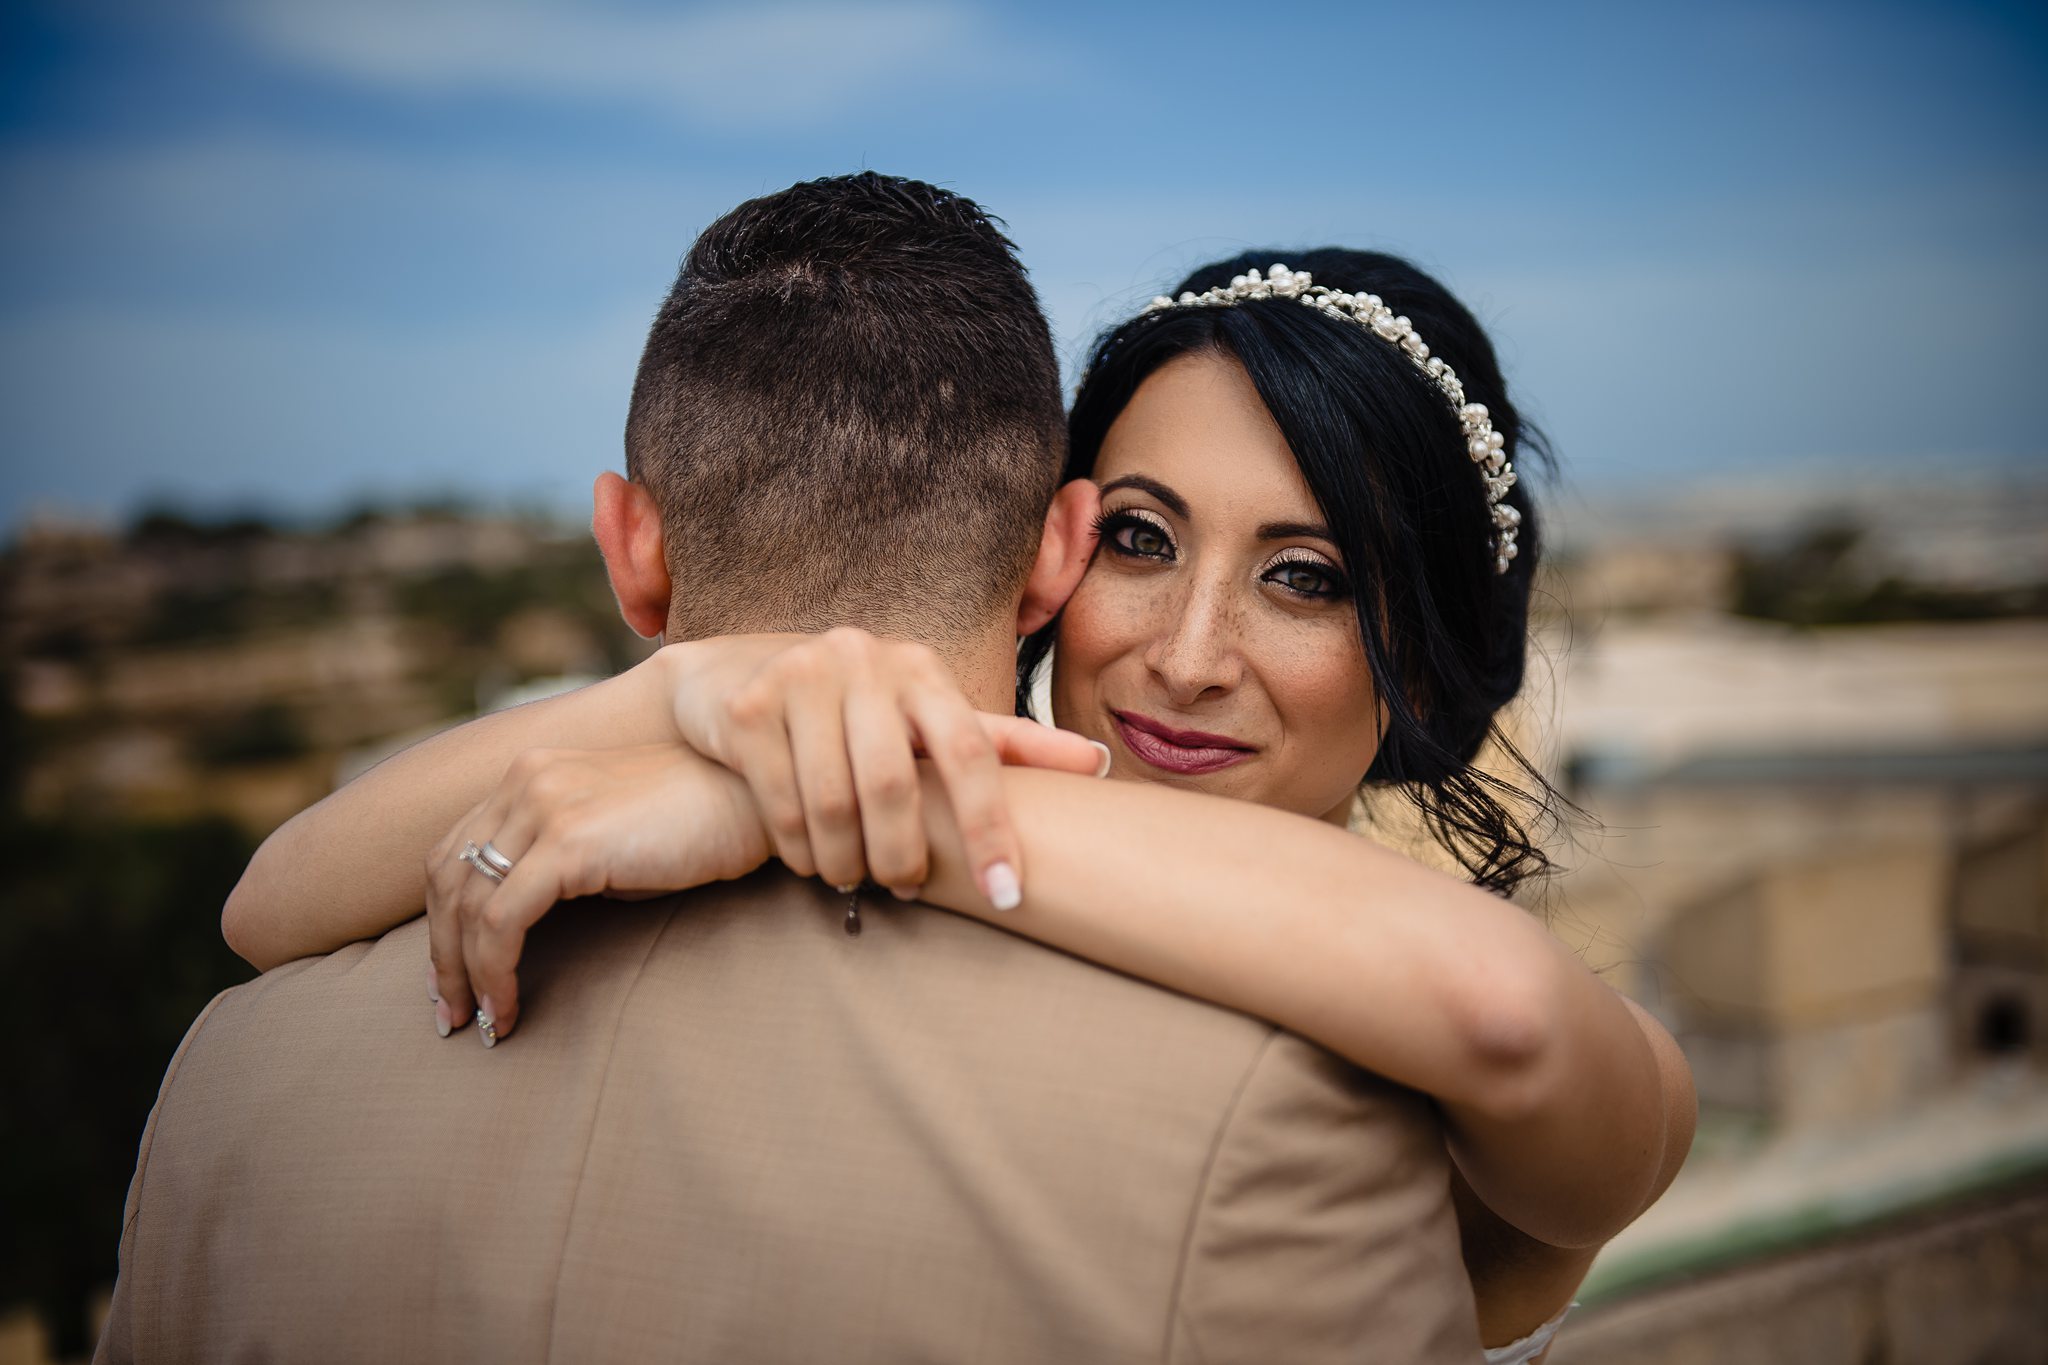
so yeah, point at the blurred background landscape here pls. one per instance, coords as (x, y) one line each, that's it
(316, 322)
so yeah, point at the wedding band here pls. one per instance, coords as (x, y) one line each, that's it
(489, 853)
(476, 858)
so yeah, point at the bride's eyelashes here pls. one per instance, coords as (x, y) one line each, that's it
(1140, 534)
(1135, 533)
(1307, 575)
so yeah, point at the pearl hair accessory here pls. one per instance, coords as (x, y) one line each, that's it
(1486, 446)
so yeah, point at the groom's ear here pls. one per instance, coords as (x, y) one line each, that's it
(1063, 554)
(627, 525)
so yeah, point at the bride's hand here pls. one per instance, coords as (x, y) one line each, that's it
(621, 822)
(827, 729)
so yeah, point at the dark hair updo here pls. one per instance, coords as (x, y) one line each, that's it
(1383, 453)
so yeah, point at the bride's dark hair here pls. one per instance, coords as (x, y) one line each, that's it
(1445, 635)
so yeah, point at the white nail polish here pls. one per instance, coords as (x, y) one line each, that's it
(1102, 765)
(442, 1024)
(1001, 883)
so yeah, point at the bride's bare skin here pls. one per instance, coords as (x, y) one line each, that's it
(1213, 647)
(1567, 1110)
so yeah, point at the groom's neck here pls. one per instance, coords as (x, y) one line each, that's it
(986, 669)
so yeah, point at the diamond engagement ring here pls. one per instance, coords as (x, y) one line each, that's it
(486, 860)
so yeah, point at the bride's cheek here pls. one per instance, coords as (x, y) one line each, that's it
(1103, 620)
(1333, 697)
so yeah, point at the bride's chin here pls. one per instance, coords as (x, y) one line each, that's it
(1225, 782)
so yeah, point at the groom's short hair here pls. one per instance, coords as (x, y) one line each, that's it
(848, 411)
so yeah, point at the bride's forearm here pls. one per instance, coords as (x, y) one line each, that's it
(1550, 1093)
(352, 866)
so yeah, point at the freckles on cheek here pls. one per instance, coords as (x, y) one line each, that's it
(1325, 694)
(1103, 620)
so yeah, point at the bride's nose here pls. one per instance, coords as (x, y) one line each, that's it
(1195, 651)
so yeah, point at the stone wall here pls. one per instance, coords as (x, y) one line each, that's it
(1962, 1286)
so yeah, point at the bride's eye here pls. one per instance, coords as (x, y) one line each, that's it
(1135, 533)
(1304, 575)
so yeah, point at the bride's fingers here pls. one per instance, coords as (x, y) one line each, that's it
(761, 754)
(447, 878)
(495, 936)
(1027, 744)
(456, 890)
(824, 778)
(886, 789)
(503, 821)
(515, 828)
(949, 730)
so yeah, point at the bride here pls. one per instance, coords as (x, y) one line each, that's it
(1310, 576)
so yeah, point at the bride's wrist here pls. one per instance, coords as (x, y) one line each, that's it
(667, 676)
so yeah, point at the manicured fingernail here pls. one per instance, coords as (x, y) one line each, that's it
(1101, 764)
(444, 1022)
(1000, 884)
(486, 1023)
(906, 893)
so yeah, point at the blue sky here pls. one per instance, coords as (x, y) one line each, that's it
(290, 255)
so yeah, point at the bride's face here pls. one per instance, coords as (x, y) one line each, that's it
(1214, 642)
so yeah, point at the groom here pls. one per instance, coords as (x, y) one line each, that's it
(726, 1130)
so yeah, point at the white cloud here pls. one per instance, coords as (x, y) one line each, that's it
(781, 64)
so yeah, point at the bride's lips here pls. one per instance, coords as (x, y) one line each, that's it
(1186, 752)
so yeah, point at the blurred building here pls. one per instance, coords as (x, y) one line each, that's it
(1812, 740)
(1825, 860)
(1814, 743)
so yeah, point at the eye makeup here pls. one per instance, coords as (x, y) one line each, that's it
(1128, 531)
(1297, 563)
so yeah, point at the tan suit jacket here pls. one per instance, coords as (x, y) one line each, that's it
(726, 1131)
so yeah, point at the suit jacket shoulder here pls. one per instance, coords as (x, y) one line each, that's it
(1324, 1204)
(726, 1130)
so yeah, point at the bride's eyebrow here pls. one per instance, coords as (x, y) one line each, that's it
(1175, 503)
(1290, 530)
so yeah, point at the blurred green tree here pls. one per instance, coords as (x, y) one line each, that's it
(109, 948)
(1821, 577)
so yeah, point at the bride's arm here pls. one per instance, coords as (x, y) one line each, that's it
(352, 866)
(1521, 1283)
(1554, 1101)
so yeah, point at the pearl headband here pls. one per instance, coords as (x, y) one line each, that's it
(1487, 447)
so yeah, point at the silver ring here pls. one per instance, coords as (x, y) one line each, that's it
(474, 856)
(489, 853)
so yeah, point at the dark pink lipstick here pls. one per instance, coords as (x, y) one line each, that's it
(1187, 752)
